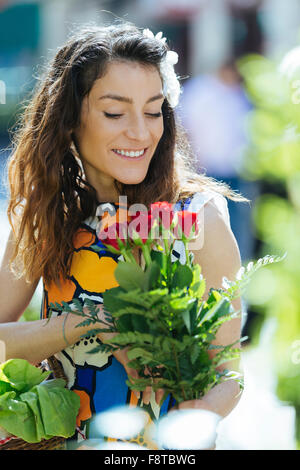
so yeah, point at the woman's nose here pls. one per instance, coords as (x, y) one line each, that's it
(138, 129)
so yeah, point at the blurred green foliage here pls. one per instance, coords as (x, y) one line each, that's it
(274, 156)
(30, 314)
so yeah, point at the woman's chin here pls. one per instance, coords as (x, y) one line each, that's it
(132, 179)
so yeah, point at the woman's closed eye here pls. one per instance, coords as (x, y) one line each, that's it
(116, 116)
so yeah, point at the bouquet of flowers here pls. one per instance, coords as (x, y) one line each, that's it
(158, 311)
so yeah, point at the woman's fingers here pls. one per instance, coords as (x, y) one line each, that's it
(148, 392)
(158, 395)
(160, 392)
(133, 373)
(121, 356)
(147, 395)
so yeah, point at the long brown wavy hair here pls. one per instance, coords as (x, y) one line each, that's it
(49, 195)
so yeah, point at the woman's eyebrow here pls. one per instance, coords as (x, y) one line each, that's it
(124, 99)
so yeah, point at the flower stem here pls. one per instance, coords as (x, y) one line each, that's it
(166, 245)
(128, 256)
(146, 253)
(178, 372)
(188, 263)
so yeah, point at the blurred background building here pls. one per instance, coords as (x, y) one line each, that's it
(209, 36)
(205, 33)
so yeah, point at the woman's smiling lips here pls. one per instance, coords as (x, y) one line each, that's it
(130, 154)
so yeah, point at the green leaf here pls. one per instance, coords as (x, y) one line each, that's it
(17, 418)
(111, 300)
(244, 275)
(166, 345)
(143, 299)
(151, 276)
(203, 358)
(67, 307)
(193, 316)
(123, 339)
(195, 351)
(139, 323)
(182, 277)
(180, 305)
(198, 285)
(130, 310)
(56, 306)
(59, 408)
(219, 309)
(90, 304)
(138, 384)
(139, 352)
(187, 321)
(124, 323)
(5, 387)
(86, 322)
(157, 295)
(103, 348)
(96, 331)
(21, 375)
(129, 276)
(78, 305)
(32, 400)
(158, 257)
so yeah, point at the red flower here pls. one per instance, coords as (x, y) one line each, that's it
(186, 221)
(164, 212)
(110, 234)
(140, 224)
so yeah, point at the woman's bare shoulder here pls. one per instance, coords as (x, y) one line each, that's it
(218, 252)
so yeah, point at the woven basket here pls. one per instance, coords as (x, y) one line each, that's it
(55, 443)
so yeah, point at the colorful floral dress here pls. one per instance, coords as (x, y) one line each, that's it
(99, 379)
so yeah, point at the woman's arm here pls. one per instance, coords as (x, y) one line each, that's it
(219, 257)
(40, 339)
(35, 340)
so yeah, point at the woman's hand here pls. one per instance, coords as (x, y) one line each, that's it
(122, 357)
(221, 399)
(192, 404)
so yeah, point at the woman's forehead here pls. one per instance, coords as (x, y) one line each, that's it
(128, 78)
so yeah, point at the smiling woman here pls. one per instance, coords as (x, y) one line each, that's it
(119, 132)
(100, 125)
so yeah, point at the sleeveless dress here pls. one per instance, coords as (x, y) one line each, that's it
(99, 379)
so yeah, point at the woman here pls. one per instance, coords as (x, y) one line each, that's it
(100, 125)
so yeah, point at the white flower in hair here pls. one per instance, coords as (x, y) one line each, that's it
(149, 34)
(171, 85)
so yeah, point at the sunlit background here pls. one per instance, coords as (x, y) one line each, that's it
(241, 112)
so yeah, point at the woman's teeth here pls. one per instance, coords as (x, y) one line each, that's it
(130, 154)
